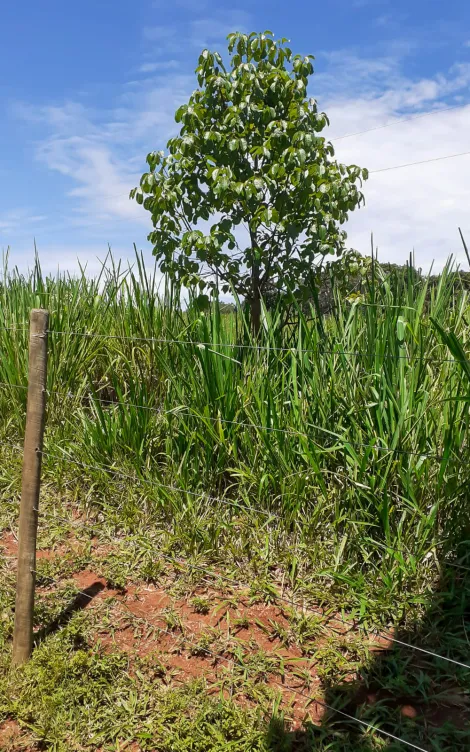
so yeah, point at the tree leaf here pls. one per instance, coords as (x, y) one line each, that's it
(248, 152)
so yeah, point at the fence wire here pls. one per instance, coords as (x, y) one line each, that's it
(241, 505)
(401, 120)
(182, 412)
(258, 348)
(221, 656)
(291, 602)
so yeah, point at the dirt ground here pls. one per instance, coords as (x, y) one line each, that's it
(201, 634)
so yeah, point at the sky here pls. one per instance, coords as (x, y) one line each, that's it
(88, 89)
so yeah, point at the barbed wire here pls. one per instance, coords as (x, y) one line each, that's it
(401, 120)
(237, 583)
(13, 386)
(54, 581)
(98, 528)
(135, 219)
(22, 328)
(153, 482)
(422, 161)
(177, 412)
(221, 656)
(292, 604)
(125, 195)
(243, 346)
(267, 428)
(262, 348)
(202, 494)
(295, 432)
(224, 501)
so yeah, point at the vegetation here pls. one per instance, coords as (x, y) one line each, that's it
(320, 471)
(249, 155)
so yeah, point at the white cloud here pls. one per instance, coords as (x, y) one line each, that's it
(103, 182)
(102, 153)
(72, 257)
(193, 5)
(162, 40)
(156, 66)
(369, 3)
(391, 21)
(199, 33)
(417, 207)
(18, 219)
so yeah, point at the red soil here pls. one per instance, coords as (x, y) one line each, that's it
(141, 629)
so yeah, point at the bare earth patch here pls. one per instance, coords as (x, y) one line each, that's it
(12, 738)
(180, 642)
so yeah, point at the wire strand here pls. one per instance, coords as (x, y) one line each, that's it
(262, 348)
(423, 161)
(294, 432)
(289, 601)
(176, 412)
(53, 581)
(429, 652)
(370, 726)
(73, 524)
(224, 501)
(135, 478)
(336, 618)
(401, 120)
(221, 655)
(23, 328)
(13, 386)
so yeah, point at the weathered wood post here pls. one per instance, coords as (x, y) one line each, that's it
(30, 486)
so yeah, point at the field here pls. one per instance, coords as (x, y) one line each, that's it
(237, 538)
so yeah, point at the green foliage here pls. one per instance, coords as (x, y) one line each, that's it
(305, 434)
(249, 153)
(71, 699)
(338, 450)
(201, 605)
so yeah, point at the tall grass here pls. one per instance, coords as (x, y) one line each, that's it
(348, 435)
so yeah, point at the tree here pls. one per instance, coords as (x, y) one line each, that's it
(249, 156)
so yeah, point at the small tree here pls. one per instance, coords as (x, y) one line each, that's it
(249, 155)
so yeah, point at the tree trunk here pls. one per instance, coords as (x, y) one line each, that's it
(255, 302)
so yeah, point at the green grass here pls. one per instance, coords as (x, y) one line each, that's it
(342, 460)
(333, 495)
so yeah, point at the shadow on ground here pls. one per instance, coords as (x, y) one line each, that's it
(78, 603)
(417, 697)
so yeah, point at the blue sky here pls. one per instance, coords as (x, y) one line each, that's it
(87, 89)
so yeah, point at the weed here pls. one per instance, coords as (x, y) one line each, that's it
(337, 452)
(241, 622)
(201, 605)
(172, 619)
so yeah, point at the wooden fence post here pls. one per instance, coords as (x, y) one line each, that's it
(30, 485)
